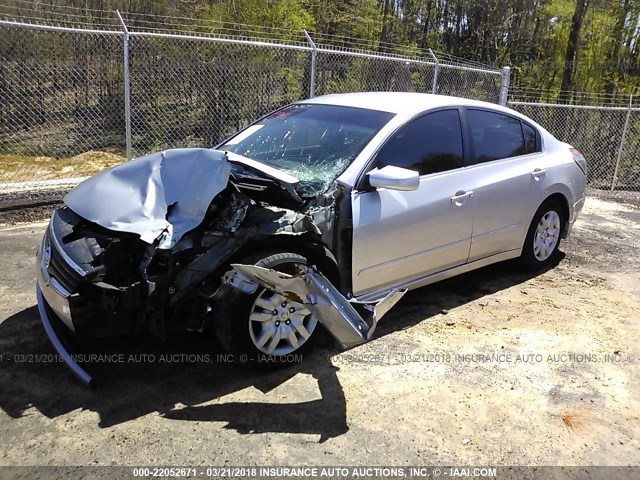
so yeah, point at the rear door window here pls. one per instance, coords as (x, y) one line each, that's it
(494, 135)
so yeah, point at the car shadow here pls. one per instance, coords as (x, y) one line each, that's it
(184, 378)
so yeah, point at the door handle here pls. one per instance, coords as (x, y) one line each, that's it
(460, 196)
(538, 172)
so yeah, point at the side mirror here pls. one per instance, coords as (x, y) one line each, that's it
(394, 178)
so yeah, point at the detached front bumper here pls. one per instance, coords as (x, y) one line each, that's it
(48, 323)
(55, 310)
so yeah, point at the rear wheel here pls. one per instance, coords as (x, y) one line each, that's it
(543, 237)
(266, 327)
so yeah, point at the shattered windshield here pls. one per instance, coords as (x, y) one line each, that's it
(314, 143)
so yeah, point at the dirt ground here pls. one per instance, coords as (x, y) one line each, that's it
(491, 368)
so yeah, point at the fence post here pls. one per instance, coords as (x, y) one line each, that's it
(314, 53)
(127, 85)
(434, 84)
(621, 148)
(504, 86)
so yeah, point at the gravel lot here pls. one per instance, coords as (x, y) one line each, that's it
(491, 368)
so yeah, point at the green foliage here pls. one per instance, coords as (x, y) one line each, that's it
(530, 35)
(70, 87)
(286, 14)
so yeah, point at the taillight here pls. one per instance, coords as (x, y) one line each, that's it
(579, 159)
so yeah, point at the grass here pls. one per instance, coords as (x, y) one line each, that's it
(21, 168)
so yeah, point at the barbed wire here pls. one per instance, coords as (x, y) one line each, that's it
(533, 94)
(34, 17)
(41, 9)
(68, 16)
(66, 7)
(569, 92)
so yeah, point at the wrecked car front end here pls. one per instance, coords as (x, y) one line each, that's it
(143, 248)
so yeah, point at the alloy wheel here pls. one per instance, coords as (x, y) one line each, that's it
(547, 235)
(279, 326)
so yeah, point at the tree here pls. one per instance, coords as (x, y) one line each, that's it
(572, 47)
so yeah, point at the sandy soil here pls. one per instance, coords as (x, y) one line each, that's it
(495, 367)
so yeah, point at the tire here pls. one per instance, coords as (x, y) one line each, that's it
(242, 336)
(543, 238)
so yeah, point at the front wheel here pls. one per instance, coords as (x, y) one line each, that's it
(543, 237)
(266, 327)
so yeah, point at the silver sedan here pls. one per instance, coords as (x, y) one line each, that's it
(323, 212)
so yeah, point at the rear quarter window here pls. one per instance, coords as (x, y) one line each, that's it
(495, 135)
(531, 138)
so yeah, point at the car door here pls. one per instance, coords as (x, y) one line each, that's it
(399, 236)
(505, 156)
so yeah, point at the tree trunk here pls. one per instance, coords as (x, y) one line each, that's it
(572, 47)
(386, 28)
(615, 48)
(424, 41)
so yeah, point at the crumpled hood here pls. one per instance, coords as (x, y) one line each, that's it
(135, 197)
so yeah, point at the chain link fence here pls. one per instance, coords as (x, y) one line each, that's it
(62, 103)
(194, 93)
(64, 91)
(605, 131)
(341, 72)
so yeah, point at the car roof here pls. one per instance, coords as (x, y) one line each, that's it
(407, 104)
(399, 102)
